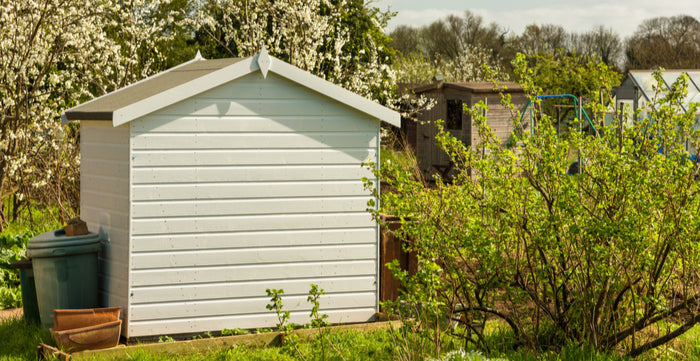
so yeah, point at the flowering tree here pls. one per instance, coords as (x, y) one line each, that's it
(338, 40)
(53, 54)
(467, 66)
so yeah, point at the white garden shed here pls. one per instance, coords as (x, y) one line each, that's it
(217, 179)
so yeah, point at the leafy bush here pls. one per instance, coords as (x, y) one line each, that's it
(608, 257)
(12, 248)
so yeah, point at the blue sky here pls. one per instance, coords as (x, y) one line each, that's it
(623, 16)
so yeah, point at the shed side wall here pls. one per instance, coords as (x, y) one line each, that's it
(252, 185)
(499, 118)
(104, 204)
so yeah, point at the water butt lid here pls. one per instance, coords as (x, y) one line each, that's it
(56, 243)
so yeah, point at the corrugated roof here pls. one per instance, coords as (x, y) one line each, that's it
(474, 87)
(645, 82)
(103, 108)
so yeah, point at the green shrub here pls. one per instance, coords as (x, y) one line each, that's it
(12, 249)
(600, 258)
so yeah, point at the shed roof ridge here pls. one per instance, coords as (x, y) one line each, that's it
(64, 118)
(121, 110)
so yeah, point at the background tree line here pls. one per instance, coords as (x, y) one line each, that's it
(55, 54)
(668, 42)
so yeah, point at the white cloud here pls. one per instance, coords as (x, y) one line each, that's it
(623, 16)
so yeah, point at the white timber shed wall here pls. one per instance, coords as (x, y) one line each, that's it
(252, 185)
(104, 203)
(218, 179)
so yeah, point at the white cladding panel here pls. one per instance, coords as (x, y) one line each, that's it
(104, 204)
(252, 185)
(193, 324)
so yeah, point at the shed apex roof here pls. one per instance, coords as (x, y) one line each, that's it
(103, 108)
(198, 75)
(475, 87)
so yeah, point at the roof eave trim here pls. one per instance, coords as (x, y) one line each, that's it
(426, 88)
(336, 92)
(67, 115)
(242, 68)
(184, 91)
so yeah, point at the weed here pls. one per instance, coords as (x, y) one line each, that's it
(318, 320)
(234, 332)
(283, 318)
(165, 339)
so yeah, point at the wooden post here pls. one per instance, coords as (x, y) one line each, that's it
(391, 248)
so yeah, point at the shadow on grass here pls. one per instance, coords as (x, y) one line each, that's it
(500, 340)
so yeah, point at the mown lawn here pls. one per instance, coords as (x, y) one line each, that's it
(18, 341)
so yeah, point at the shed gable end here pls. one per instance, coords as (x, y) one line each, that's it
(251, 185)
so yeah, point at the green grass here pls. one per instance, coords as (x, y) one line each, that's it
(354, 346)
(40, 220)
(405, 159)
(568, 353)
(18, 340)
(499, 338)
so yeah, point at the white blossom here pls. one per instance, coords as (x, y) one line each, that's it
(56, 54)
(308, 39)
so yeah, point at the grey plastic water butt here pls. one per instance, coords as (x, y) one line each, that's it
(65, 271)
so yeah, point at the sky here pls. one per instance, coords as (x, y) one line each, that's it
(623, 16)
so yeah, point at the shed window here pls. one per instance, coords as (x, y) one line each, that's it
(454, 114)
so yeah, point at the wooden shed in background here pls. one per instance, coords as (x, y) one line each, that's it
(450, 98)
(218, 179)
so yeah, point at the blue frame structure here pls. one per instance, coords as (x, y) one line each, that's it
(582, 112)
